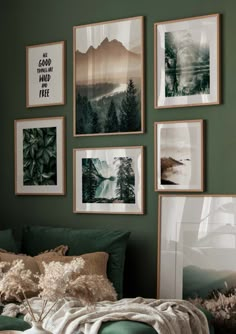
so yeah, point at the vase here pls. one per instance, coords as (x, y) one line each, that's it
(37, 328)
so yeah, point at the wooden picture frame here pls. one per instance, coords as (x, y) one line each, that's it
(45, 74)
(108, 180)
(187, 62)
(179, 155)
(40, 156)
(108, 72)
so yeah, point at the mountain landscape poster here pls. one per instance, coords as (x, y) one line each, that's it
(108, 77)
(196, 255)
(187, 62)
(39, 156)
(108, 180)
(179, 155)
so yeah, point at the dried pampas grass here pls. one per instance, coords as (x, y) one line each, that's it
(90, 289)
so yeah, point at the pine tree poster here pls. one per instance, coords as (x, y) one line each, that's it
(108, 180)
(108, 77)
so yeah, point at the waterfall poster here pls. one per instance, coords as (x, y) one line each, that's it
(187, 62)
(109, 180)
(108, 77)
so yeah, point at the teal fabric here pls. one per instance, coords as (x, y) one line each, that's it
(209, 317)
(7, 323)
(7, 241)
(39, 238)
(110, 327)
(126, 327)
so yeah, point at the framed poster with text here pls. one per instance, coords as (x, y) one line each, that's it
(45, 74)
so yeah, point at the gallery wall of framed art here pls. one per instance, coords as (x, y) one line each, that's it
(190, 46)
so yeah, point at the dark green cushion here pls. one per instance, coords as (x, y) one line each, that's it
(126, 327)
(7, 241)
(38, 238)
(13, 324)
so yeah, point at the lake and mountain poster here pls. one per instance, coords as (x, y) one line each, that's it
(108, 77)
(108, 180)
(105, 182)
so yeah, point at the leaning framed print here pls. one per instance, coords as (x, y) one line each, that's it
(39, 156)
(178, 151)
(196, 253)
(108, 61)
(187, 64)
(45, 74)
(108, 180)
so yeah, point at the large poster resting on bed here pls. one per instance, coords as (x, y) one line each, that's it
(197, 251)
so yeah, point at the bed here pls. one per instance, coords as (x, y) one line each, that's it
(36, 239)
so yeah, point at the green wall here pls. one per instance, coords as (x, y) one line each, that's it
(29, 22)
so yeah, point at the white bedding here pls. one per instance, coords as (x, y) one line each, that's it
(165, 316)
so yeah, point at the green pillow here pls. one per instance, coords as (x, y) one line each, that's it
(9, 323)
(126, 327)
(7, 241)
(39, 238)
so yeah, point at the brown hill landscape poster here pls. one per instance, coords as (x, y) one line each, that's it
(108, 77)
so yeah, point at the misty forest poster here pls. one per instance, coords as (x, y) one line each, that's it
(108, 77)
(187, 62)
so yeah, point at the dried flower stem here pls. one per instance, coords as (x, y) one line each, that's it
(48, 311)
(43, 308)
(29, 307)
